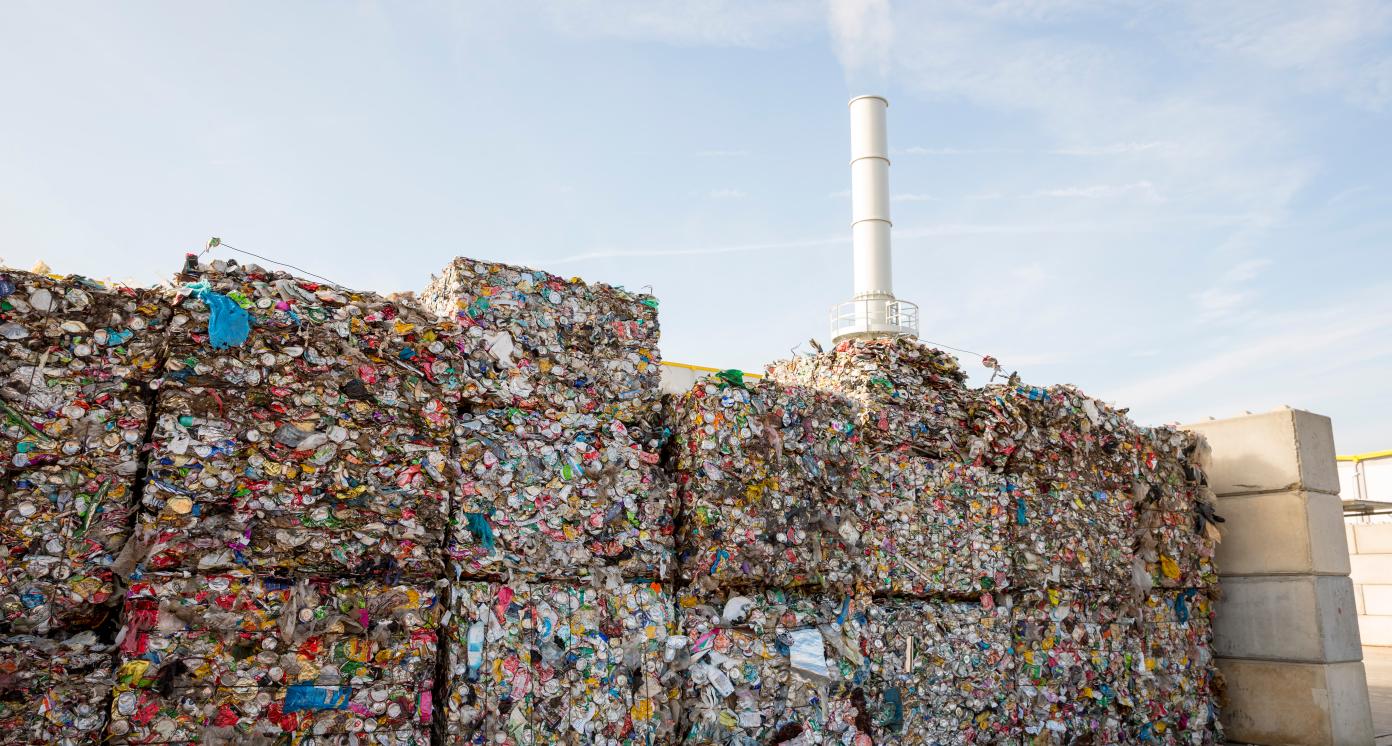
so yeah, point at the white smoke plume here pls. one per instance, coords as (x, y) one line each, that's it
(862, 33)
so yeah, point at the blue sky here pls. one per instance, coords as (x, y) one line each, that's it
(1184, 208)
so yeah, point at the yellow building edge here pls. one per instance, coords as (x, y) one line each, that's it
(706, 369)
(1365, 456)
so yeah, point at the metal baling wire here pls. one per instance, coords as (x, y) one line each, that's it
(950, 347)
(216, 242)
(35, 374)
(997, 370)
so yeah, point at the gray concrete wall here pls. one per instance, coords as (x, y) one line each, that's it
(1286, 630)
(1370, 549)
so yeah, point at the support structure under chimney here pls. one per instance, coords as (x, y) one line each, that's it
(873, 311)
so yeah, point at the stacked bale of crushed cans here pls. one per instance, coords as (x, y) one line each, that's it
(282, 573)
(76, 360)
(561, 545)
(255, 507)
(1004, 564)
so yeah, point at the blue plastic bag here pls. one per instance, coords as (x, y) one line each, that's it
(229, 324)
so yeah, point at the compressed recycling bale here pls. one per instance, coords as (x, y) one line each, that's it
(539, 341)
(235, 482)
(1110, 510)
(54, 690)
(1177, 524)
(1076, 652)
(61, 531)
(56, 415)
(554, 494)
(1108, 504)
(558, 663)
(1077, 462)
(1067, 536)
(75, 358)
(1172, 475)
(316, 438)
(309, 343)
(766, 483)
(465, 686)
(933, 528)
(1071, 437)
(230, 657)
(998, 429)
(941, 672)
(911, 394)
(774, 667)
(229, 318)
(1176, 549)
(1177, 686)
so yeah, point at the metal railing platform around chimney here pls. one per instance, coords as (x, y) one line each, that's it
(874, 317)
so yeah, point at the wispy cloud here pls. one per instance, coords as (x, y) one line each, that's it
(921, 150)
(1336, 45)
(1104, 104)
(1082, 151)
(1246, 270)
(1232, 295)
(722, 154)
(724, 23)
(1120, 148)
(1142, 189)
(617, 253)
(1031, 273)
(1260, 370)
(726, 193)
(1050, 227)
(1351, 194)
(1219, 301)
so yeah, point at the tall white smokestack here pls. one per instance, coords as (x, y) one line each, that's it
(874, 311)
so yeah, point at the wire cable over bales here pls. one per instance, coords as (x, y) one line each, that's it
(216, 242)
